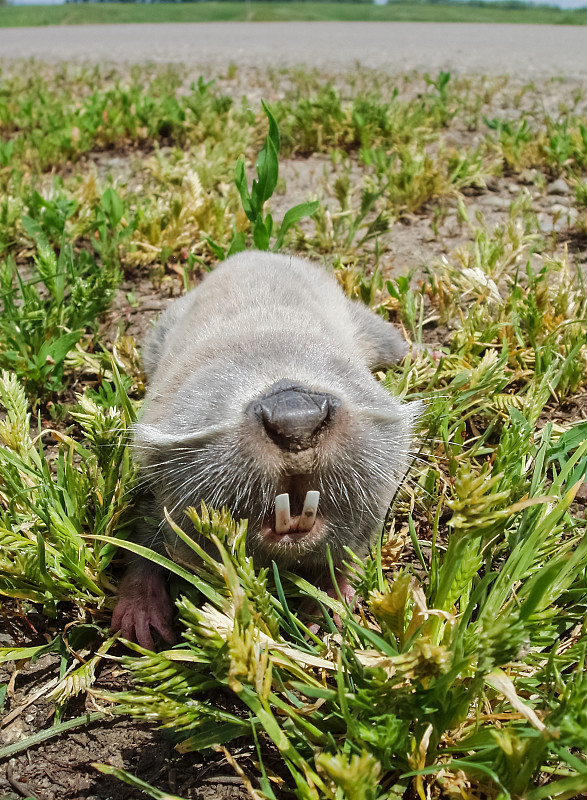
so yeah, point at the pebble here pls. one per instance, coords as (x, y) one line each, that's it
(560, 186)
(553, 200)
(546, 223)
(495, 201)
(569, 213)
(528, 176)
(558, 218)
(13, 732)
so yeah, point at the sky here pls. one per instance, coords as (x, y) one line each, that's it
(561, 3)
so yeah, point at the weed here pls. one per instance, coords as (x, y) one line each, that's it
(559, 147)
(343, 231)
(47, 314)
(253, 201)
(539, 312)
(49, 502)
(581, 194)
(325, 121)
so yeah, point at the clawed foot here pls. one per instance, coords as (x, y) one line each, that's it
(144, 605)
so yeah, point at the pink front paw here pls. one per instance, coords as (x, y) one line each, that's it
(425, 349)
(144, 605)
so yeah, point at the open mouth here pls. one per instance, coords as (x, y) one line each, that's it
(287, 527)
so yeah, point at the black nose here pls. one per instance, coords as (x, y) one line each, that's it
(293, 415)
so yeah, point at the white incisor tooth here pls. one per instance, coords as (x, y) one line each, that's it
(308, 517)
(282, 514)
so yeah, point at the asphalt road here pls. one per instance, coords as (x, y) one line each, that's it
(525, 51)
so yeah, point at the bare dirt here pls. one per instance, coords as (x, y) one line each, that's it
(63, 767)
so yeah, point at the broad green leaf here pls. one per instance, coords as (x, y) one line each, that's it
(217, 249)
(113, 206)
(58, 349)
(237, 245)
(292, 216)
(260, 235)
(240, 179)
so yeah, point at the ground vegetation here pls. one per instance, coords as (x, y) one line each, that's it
(456, 207)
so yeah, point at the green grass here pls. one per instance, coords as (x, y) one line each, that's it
(464, 671)
(90, 13)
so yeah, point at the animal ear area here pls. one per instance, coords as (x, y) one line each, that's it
(150, 435)
(145, 434)
(380, 343)
(155, 344)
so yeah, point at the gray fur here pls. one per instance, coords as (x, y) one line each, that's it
(256, 319)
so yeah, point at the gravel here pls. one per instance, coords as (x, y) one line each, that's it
(523, 51)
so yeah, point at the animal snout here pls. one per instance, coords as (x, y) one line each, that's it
(293, 416)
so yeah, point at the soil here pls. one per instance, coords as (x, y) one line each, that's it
(62, 767)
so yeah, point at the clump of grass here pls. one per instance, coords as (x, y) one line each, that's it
(410, 177)
(559, 146)
(506, 296)
(173, 223)
(45, 315)
(48, 123)
(52, 497)
(321, 119)
(397, 184)
(353, 225)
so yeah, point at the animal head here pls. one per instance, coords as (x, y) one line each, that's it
(275, 416)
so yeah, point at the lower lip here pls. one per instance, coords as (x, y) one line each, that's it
(292, 536)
